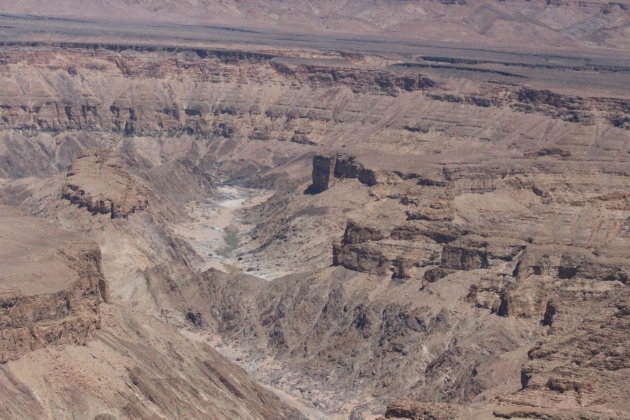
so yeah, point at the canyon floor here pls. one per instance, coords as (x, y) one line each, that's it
(213, 221)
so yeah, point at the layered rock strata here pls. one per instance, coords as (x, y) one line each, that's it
(98, 181)
(51, 286)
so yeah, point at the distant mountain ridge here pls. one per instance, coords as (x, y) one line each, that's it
(593, 23)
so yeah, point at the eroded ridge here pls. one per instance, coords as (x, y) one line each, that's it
(98, 180)
(51, 286)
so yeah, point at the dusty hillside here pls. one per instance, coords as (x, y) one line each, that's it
(379, 226)
(133, 367)
(68, 354)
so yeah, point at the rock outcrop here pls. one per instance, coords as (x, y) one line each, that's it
(520, 253)
(99, 181)
(334, 166)
(413, 410)
(368, 249)
(62, 345)
(134, 367)
(323, 172)
(51, 286)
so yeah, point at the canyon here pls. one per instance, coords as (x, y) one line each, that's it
(204, 222)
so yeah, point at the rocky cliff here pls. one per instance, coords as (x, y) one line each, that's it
(133, 367)
(106, 101)
(490, 278)
(52, 286)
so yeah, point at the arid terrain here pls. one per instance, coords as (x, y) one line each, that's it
(322, 210)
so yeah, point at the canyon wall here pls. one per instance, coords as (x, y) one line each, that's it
(441, 238)
(50, 296)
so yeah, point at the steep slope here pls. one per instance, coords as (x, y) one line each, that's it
(51, 286)
(98, 197)
(133, 367)
(67, 354)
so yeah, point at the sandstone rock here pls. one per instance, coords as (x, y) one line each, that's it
(461, 258)
(567, 263)
(489, 293)
(408, 409)
(436, 211)
(51, 284)
(434, 274)
(438, 233)
(527, 298)
(98, 181)
(301, 138)
(404, 268)
(562, 368)
(367, 249)
(356, 233)
(365, 258)
(358, 79)
(323, 172)
(348, 167)
(328, 167)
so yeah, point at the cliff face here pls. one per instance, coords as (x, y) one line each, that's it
(52, 286)
(133, 367)
(113, 98)
(328, 168)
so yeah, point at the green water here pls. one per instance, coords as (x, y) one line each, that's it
(230, 237)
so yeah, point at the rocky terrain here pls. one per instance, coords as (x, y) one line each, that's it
(98, 182)
(437, 299)
(52, 286)
(67, 353)
(368, 233)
